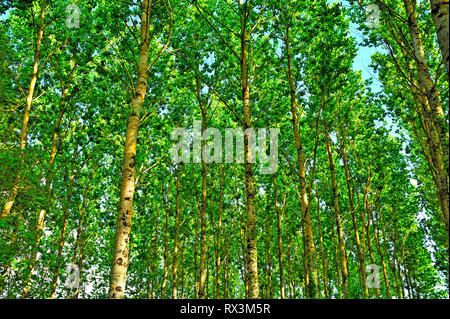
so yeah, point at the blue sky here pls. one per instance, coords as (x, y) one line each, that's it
(363, 60)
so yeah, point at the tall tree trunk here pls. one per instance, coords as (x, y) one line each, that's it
(175, 248)
(183, 248)
(201, 288)
(367, 207)
(166, 244)
(227, 262)
(407, 276)
(252, 253)
(362, 215)
(242, 237)
(377, 242)
(279, 239)
(429, 90)
(81, 220)
(337, 215)
(322, 255)
(32, 260)
(196, 281)
(311, 277)
(80, 267)
(288, 251)
(396, 263)
(362, 266)
(336, 265)
(268, 265)
(152, 258)
(120, 259)
(63, 226)
(432, 148)
(26, 114)
(440, 14)
(387, 238)
(218, 230)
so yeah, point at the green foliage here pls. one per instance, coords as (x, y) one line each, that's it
(380, 133)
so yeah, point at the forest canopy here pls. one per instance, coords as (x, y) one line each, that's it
(339, 188)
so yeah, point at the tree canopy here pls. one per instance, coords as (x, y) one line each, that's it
(94, 205)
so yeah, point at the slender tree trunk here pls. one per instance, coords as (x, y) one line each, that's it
(268, 265)
(201, 289)
(407, 277)
(80, 267)
(218, 230)
(336, 264)
(32, 260)
(279, 239)
(242, 236)
(322, 255)
(369, 239)
(429, 90)
(396, 263)
(434, 156)
(380, 252)
(80, 227)
(363, 219)
(182, 266)
(63, 227)
(311, 277)
(440, 14)
(390, 258)
(227, 262)
(175, 248)
(207, 293)
(196, 281)
(288, 250)
(166, 244)
(340, 233)
(152, 257)
(252, 254)
(120, 259)
(26, 115)
(362, 266)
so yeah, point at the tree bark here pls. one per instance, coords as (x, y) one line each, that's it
(369, 239)
(78, 240)
(201, 288)
(322, 255)
(218, 230)
(26, 114)
(279, 239)
(311, 277)
(337, 215)
(175, 248)
(362, 266)
(440, 14)
(32, 260)
(63, 226)
(166, 244)
(252, 253)
(120, 259)
(435, 109)
(377, 243)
